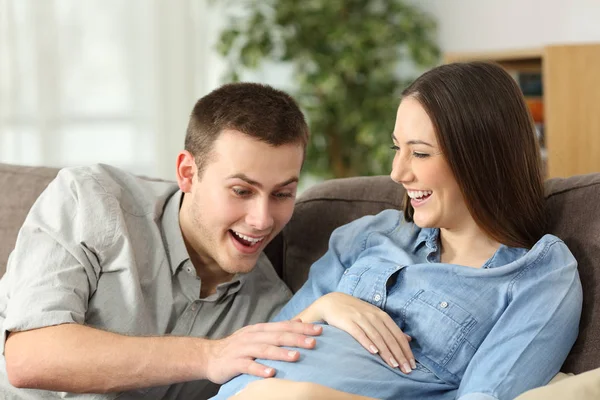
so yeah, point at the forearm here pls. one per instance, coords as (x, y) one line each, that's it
(75, 358)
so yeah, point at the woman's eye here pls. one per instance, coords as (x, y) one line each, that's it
(395, 148)
(420, 155)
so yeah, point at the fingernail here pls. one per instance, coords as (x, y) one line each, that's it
(309, 340)
(292, 354)
(373, 349)
(413, 364)
(394, 362)
(406, 368)
(316, 328)
(268, 371)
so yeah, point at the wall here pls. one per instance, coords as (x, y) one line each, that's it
(114, 82)
(476, 25)
(105, 81)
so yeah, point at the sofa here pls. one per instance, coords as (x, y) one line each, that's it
(572, 208)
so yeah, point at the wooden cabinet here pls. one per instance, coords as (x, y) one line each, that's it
(571, 101)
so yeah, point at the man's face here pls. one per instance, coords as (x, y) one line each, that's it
(243, 198)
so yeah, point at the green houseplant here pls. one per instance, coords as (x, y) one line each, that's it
(347, 59)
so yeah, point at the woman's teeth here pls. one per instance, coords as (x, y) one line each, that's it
(417, 194)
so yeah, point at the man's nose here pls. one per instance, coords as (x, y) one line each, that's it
(260, 215)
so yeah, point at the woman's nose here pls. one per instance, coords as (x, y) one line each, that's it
(401, 171)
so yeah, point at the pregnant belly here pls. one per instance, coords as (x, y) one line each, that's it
(337, 355)
(340, 362)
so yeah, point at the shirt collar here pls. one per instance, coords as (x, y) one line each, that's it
(429, 236)
(176, 250)
(504, 255)
(226, 289)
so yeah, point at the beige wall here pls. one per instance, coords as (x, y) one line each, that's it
(484, 25)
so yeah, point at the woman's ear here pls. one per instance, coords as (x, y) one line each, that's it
(186, 171)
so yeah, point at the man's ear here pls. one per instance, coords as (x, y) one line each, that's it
(186, 171)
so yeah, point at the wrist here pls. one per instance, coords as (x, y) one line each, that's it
(203, 351)
(315, 312)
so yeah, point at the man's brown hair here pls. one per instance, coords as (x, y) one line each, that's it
(488, 138)
(257, 110)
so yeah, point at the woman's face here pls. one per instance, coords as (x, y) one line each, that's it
(422, 169)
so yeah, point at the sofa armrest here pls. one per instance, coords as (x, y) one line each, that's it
(585, 386)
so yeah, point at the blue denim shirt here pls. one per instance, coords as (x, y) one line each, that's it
(477, 333)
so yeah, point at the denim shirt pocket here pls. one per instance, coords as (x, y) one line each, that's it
(351, 278)
(438, 326)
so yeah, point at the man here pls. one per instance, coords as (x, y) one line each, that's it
(128, 287)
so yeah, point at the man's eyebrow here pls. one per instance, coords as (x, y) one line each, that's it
(252, 182)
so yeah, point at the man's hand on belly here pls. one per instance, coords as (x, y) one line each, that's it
(236, 354)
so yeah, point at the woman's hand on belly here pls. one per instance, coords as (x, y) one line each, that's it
(372, 327)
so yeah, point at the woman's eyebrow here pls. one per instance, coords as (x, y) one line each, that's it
(412, 141)
(419, 142)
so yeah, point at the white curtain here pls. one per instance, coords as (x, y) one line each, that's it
(108, 81)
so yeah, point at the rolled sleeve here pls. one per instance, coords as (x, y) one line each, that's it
(54, 267)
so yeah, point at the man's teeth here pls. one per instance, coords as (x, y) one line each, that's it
(417, 194)
(248, 238)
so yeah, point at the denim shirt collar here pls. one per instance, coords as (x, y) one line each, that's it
(502, 256)
(429, 236)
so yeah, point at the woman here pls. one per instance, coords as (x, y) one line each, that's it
(462, 295)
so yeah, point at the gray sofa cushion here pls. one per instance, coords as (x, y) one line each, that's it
(574, 216)
(19, 187)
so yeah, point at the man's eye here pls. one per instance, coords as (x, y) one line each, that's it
(283, 195)
(241, 192)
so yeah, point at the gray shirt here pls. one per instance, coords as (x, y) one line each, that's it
(103, 248)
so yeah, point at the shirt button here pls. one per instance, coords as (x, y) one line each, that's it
(377, 297)
(189, 269)
(194, 307)
(345, 272)
(443, 304)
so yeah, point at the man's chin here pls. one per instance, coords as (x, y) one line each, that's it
(242, 266)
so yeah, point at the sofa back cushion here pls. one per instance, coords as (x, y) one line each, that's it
(574, 216)
(19, 187)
